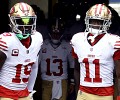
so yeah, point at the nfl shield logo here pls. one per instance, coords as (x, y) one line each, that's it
(91, 49)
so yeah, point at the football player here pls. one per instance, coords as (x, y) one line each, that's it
(19, 53)
(55, 59)
(95, 52)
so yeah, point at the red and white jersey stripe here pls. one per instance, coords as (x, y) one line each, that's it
(3, 45)
(117, 44)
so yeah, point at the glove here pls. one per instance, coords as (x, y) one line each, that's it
(31, 95)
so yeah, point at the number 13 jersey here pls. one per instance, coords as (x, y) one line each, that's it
(54, 62)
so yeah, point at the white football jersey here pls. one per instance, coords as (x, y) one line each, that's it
(16, 70)
(54, 61)
(96, 62)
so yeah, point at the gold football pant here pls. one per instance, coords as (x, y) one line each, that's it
(25, 98)
(47, 90)
(86, 96)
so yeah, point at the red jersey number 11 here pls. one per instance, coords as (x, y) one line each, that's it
(97, 71)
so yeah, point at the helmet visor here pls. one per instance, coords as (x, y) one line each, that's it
(24, 20)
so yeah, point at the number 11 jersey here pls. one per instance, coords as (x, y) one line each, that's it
(96, 61)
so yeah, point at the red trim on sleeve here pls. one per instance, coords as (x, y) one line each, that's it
(74, 54)
(116, 55)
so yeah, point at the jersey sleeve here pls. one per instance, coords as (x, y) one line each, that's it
(33, 76)
(73, 42)
(116, 55)
(115, 41)
(3, 44)
(74, 55)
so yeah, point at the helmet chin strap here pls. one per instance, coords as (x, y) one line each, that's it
(19, 34)
(21, 37)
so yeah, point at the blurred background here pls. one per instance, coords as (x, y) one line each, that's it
(66, 9)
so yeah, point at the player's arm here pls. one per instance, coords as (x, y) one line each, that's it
(33, 75)
(32, 79)
(71, 73)
(71, 66)
(77, 74)
(76, 71)
(116, 56)
(117, 68)
(2, 58)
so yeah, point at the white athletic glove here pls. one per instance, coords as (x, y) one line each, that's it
(31, 95)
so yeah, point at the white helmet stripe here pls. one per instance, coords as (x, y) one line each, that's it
(24, 7)
(99, 9)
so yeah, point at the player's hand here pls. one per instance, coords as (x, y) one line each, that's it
(71, 88)
(31, 95)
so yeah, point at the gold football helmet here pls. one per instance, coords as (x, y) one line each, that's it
(22, 19)
(99, 14)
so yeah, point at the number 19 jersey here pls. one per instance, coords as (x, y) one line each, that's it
(16, 70)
